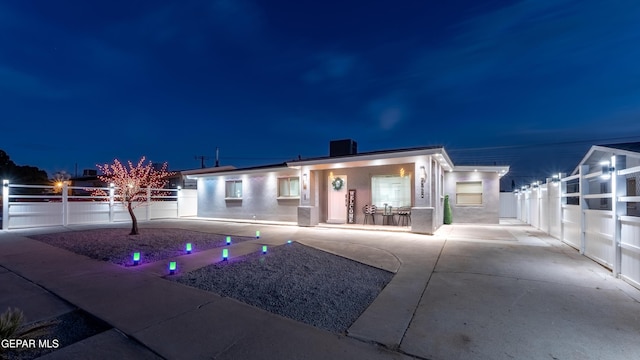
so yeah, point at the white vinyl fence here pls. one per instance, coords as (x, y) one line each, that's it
(592, 213)
(508, 205)
(25, 206)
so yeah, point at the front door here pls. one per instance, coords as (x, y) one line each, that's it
(337, 199)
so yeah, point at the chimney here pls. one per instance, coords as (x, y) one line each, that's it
(343, 147)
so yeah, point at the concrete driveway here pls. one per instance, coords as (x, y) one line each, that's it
(469, 292)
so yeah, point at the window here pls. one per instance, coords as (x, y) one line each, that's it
(234, 189)
(469, 193)
(391, 190)
(289, 187)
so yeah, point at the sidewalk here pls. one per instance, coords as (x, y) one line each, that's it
(469, 292)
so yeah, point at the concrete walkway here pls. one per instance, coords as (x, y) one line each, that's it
(469, 292)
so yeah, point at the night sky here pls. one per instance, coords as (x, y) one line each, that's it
(531, 84)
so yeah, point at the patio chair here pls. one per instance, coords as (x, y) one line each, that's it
(369, 210)
(404, 216)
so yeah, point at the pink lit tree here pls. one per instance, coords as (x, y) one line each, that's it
(131, 184)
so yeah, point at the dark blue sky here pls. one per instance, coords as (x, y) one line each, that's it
(530, 84)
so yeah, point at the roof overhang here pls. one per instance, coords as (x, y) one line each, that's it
(234, 171)
(374, 159)
(209, 170)
(500, 170)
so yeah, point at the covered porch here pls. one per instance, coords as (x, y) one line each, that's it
(393, 190)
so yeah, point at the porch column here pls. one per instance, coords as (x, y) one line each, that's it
(423, 212)
(308, 208)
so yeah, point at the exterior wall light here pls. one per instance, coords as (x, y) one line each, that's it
(607, 170)
(179, 187)
(305, 181)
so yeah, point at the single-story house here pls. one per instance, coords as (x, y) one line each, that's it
(339, 188)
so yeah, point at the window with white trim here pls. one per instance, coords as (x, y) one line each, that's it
(391, 190)
(289, 187)
(469, 193)
(233, 189)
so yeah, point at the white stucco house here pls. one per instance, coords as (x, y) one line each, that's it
(336, 189)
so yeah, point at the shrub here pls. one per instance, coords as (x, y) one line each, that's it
(448, 218)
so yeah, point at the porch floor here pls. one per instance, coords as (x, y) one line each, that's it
(394, 228)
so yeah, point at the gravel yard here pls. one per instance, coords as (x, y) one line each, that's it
(296, 281)
(292, 280)
(117, 246)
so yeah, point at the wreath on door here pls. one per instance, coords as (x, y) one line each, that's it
(337, 183)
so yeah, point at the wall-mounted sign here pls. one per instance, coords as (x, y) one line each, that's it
(351, 207)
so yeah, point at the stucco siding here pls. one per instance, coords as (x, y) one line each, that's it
(259, 199)
(488, 212)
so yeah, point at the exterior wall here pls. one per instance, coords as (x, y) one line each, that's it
(488, 212)
(259, 197)
(360, 180)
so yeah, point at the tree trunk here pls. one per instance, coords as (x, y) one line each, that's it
(134, 221)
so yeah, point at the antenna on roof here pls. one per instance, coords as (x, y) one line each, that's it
(202, 158)
(217, 156)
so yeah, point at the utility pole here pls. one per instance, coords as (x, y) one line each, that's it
(202, 158)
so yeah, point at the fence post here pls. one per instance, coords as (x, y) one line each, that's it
(5, 204)
(563, 202)
(618, 209)
(178, 195)
(148, 206)
(112, 192)
(549, 183)
(584, 190)
(65, 203)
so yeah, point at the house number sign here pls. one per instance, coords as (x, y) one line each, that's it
(351, 205)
